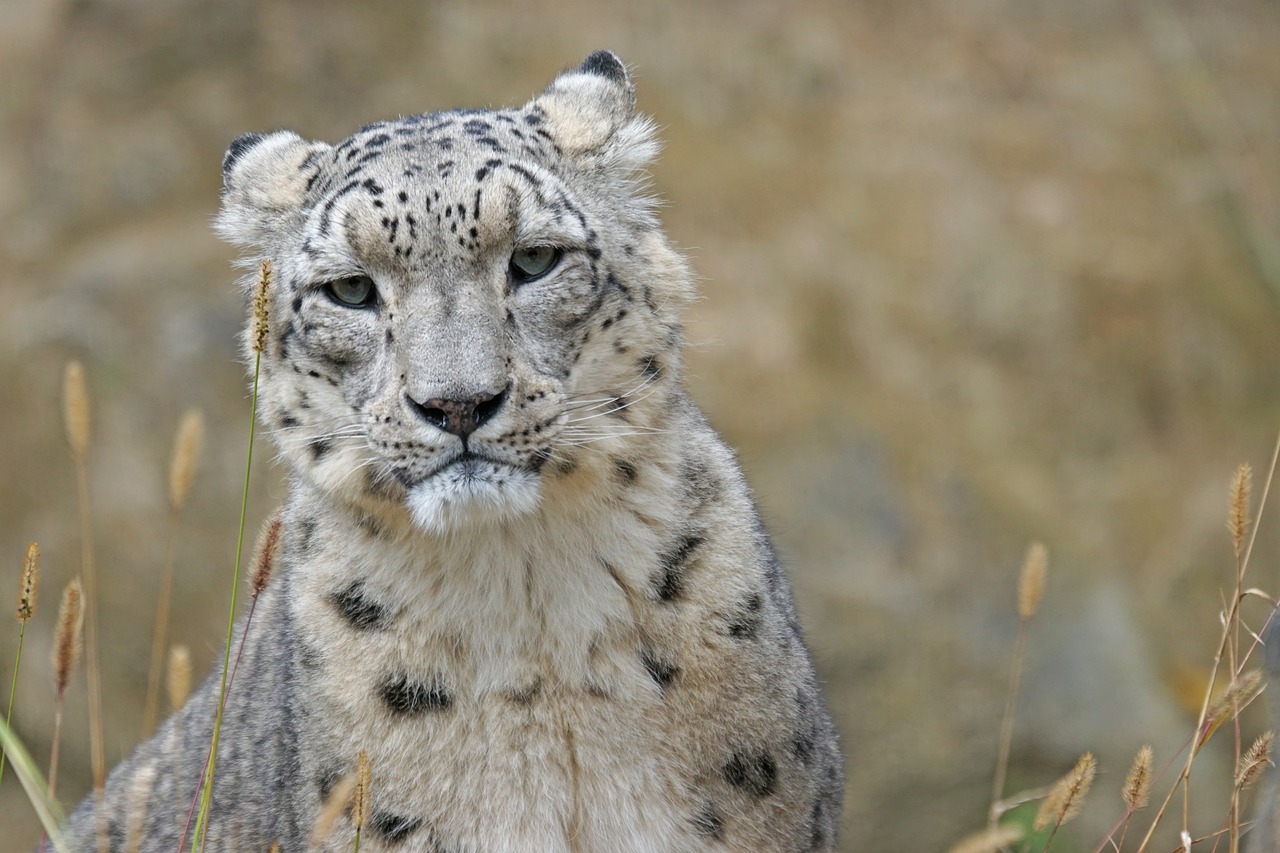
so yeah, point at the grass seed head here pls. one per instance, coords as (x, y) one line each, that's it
(1255, 760)
(178, 676)
(1238, 519)
(1031, 581)
(1066, 798)
(1137, 785)
(1238, 695)
(69, 640)
(361, 798)
(29, 584)
(186, 457)
(265, 553)
(261, 306)
(75, 409)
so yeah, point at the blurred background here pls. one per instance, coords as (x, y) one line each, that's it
(976, 273)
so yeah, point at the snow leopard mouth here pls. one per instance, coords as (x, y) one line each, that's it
(467, 467)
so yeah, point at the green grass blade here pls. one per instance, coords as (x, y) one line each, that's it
(198, 839)
(13, 688)
(33, 782)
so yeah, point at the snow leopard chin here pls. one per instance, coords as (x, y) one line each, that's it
(473, 491)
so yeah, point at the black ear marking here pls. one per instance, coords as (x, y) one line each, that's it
(236, 150)
(605, 63)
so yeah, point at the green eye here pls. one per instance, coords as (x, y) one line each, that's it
(532, 262)
(356, 291)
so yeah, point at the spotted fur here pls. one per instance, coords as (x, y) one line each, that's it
(518, 569)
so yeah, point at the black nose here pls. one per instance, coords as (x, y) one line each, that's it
(459, 417)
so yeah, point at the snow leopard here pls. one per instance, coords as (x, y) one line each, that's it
(517, 570)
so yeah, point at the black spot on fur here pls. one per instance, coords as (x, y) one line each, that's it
(626, 471)
(661, 671)
(671, 563)
(288, 421)
(757, 774)
(818, 826)
(358, 609)
(319, 448)
(604, 63)
(746, 624)
(406, 697)
(306, 533)
(394, 828)
(651, 366)
(708, 823)
(806, 740)
(373, 186)
(309, 656)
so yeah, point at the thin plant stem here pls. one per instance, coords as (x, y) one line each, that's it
(13, 688)
(93, 672)
(1006, 722)
(160, 631)
(1185, 775)
(207, 794)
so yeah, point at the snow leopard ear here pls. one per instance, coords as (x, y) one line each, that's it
(265, 183)
(592, 111)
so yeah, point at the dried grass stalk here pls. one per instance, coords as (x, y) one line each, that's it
(185, 462)
(1031, 582)
(75, 409)
(29, 584)
(69, 640)
(178, 676)
(989, 840)
(1137, 785)
(139, 798)
(1066, 797)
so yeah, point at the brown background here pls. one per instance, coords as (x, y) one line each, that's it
(975, 273)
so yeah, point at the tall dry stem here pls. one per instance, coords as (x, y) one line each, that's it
(1031, 583)
(76, 414)
(182, 470)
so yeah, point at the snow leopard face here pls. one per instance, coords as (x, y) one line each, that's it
(462, 303)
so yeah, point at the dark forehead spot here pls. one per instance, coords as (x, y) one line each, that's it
(756, 773)
(406, 697)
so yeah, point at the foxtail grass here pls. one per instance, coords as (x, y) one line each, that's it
(1031, 583)
(68, 644)
(178, 676)
(258, 341)
(1066, 797)
(183, 465)
(77, 419)
(28, 585)
(361, 796)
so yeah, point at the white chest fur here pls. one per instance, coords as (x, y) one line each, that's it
(495, 680)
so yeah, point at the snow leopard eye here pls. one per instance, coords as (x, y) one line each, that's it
(354, 291)
(532, 262)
